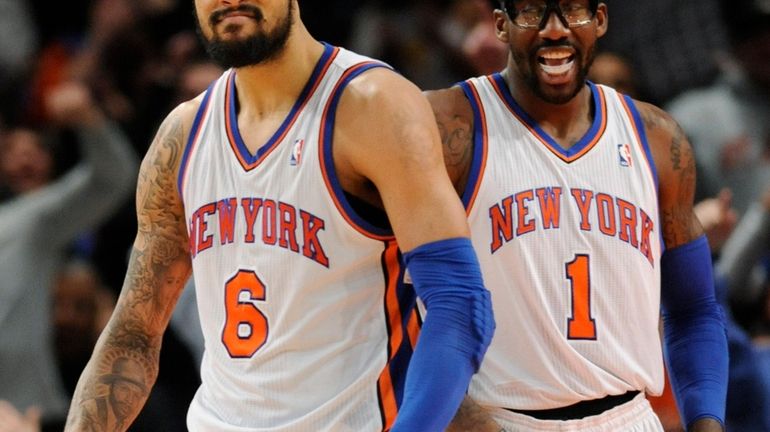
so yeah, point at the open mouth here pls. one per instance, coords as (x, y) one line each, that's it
(556, 62)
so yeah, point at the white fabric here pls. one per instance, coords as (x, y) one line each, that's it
(327, 338)
(532, 362)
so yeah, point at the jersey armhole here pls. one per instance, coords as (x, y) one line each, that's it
(329, 171)
(480, 143)
(192, 139)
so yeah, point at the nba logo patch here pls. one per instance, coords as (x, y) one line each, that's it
(296, 152)
(624, 155)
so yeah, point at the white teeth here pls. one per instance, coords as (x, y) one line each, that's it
(557, 70)
(556, 55)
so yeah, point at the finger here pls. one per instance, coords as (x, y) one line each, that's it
(33, 415)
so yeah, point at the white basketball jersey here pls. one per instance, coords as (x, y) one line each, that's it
(307, 325)
(569, 245)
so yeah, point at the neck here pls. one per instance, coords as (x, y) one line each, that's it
(559, 119)
(273, 85)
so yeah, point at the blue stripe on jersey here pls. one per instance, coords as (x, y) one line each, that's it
(327, 141)
(232, 110)
(191, 138)
(478, 145)
(643, 136)
(639, 124)
(587, 139)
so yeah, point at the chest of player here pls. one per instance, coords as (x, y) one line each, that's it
(528, 194)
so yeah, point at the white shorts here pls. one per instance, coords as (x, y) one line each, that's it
(635, 415)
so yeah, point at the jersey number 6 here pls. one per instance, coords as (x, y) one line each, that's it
(245, 326)
(580, 325)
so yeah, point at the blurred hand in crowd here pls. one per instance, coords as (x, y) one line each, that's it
(11, 420)
(71, 105)
(718, 218)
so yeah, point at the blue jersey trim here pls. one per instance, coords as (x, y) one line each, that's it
(639, 125)
(327, 141)
(637, 118)
(191, 139)
(474, 177)
(587, 139)
(307, 91)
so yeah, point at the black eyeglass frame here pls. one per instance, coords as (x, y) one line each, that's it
(550, 6)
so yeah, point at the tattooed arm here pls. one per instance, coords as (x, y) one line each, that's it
(454, 117)
(694, 329)
(124, 365)
(675, 164)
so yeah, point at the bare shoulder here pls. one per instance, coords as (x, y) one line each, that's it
(675, 163)
(172, 134)
(450, 102)
(667, 139)
(454, 118)
(385, 95)
(156, 191)
(382, 113)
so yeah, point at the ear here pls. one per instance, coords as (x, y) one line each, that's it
(601, 19)
(501, 26)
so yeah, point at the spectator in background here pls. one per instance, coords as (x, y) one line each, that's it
(40, 218)
(611, 69)
(727, 122)
(18, 42)
(671, 43)
(431, 56)
(748, 393)
(81, 308)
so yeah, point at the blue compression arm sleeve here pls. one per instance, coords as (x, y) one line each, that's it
(695, 336)
(455, 335)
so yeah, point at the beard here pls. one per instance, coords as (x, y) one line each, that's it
(252, 50)
(559, 97)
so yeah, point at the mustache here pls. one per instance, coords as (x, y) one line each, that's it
(219, 14)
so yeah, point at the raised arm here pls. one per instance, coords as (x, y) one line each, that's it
(125, 360)
(101, 182)
(694, 328)
(387, 146)
(743, 249)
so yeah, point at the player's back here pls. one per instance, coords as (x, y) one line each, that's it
(306, 323)
(569, 244)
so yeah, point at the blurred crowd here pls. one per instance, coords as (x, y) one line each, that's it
(84, 85)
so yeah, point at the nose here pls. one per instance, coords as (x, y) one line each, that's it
(554, 27)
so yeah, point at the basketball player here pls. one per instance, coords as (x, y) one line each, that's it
(574, 192)
(265, 186)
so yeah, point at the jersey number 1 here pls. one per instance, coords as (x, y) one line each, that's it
(245, 326)
(580, 325)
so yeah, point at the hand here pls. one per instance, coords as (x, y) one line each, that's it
(472, 417)
(71, 104)
(717, 217)
(11, 420)
(706, 425)
(765, 200)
